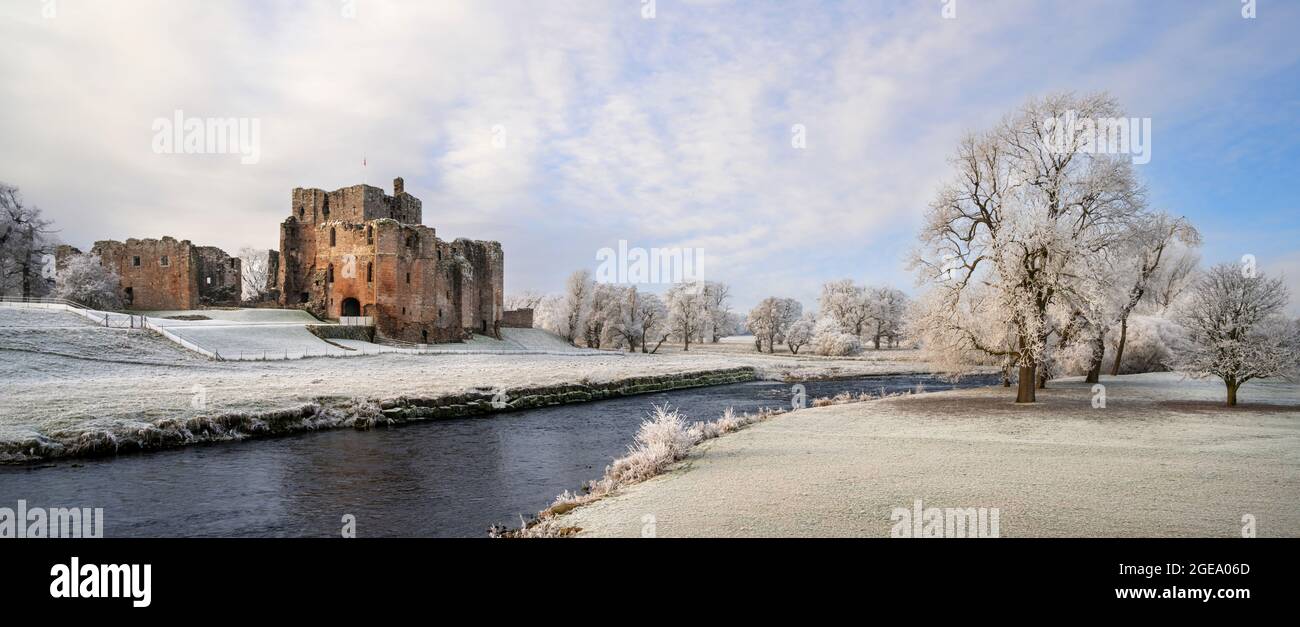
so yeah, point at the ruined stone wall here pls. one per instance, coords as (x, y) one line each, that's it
(219, 277)
(517, 319)
(478, 271)
(156, 274)
(273, 275)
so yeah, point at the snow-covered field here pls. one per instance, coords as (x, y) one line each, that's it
(74, 377)
(1164, 457)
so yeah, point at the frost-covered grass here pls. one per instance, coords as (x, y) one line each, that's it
(14, 318)
(1163, 457)
(258, 341)
(27, 336)
(246, 315)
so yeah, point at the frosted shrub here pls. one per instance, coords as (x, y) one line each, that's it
(84, 280)
(662, 440)
(830, 340)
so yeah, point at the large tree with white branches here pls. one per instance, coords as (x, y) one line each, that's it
(1003, 243)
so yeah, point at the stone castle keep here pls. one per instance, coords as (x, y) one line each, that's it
(358, 252)
(352, 252)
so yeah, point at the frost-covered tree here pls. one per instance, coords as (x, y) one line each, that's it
(84, 280)
(848, 304)
(25, 240)
(651, 316)
(717, 306)
(255, 268)
(800, 333)
(770, 320)
(686, 312)
(565, 314)
(888, 307)
(1236, 328)
(634, 319)
(1105, 287)
(1172, 279)
(574, 306)
(527, 299)
(1156, 235)
(602, 308)
(1029, 200)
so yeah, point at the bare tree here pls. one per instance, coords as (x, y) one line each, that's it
(640, 319)
(1157, 235)
(847, 304)
(717, 297)
(24, 242)
(686, 312)
(1237, 330)
(574, 306)
(800, 333)
(527, 299)
(602, 309)
(255, 265)
(1029, 200)
(887, 306)
(771, 319)
(1173, 278)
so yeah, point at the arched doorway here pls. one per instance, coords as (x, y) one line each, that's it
(351, 307)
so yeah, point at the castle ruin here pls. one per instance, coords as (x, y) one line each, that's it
(167, 274)
(356, 251)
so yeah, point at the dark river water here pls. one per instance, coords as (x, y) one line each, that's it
(442, 478)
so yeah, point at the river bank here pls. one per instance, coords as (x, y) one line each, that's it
(333, 413)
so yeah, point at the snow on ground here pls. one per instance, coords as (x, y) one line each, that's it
(39, 318)
(297, 316)
(1163, 458)
(27, 334)
(60, 380)
(264, 341)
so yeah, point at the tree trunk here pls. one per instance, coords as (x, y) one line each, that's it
(1006, 376)
(1094, 373)
(1232, 393)
(1025, 389)
(1119, 349)
(1042, 379)
(1098, 352)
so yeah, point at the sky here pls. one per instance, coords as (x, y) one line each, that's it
(560, 128)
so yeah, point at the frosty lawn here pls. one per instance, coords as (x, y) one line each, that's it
(1163, 458)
